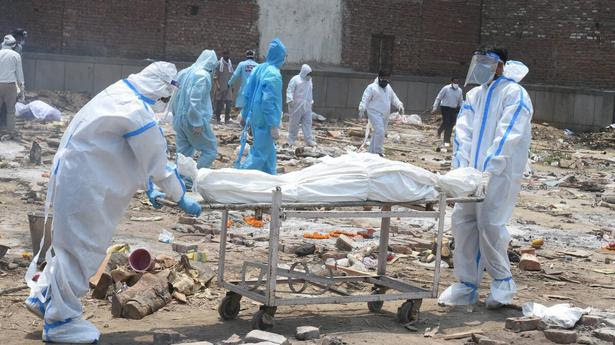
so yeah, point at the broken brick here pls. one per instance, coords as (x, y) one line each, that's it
(591, 321)
(344, 243)
(187, 220)
(561, 336)
(183, 248)
(529, 262)
(522, 324)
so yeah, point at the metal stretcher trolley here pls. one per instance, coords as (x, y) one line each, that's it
(263, 289)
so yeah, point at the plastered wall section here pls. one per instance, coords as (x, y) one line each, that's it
(310, 30)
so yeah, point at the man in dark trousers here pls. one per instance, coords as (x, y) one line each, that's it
(449, 99)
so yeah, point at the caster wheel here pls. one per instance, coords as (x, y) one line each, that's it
(264, 319)
(375, 306)
(409, 311)
(229, 306)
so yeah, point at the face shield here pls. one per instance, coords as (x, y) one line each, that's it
(482, 68)
(162, 108)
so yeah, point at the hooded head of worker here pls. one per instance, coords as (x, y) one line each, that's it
(276, 53)
(156, 80)
(9, 42)
(306, 72)
(208, 60)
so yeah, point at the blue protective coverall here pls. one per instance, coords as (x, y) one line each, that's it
(192, 108)
(243, 71)
(263, 109)
(493, 135)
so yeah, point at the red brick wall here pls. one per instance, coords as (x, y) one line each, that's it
(156, 29)
(432, 37)
(566, 42)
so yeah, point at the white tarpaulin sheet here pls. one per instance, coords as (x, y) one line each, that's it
(350, 177)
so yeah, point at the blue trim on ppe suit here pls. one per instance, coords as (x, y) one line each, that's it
(263, 110)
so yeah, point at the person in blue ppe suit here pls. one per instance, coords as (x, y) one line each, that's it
(112, 147)
(493, 135)
(243, 71)
(263, 110)
(192, 110)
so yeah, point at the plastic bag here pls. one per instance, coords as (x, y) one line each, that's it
(166, 237)
(560, 315)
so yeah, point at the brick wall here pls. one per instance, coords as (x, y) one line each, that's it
(566, 42)
(156, 29)
(433, 37)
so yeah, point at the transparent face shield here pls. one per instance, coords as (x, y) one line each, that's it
(482, 68)
(165, 115)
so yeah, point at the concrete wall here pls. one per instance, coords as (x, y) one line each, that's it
(310, 30)
(337, 91)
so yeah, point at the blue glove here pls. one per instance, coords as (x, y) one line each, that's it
(153, 195)
(190, 206)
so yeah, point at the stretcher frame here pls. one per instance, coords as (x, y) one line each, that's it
(271, 275)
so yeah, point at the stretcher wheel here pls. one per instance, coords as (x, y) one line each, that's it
(229, 306)
(375, 306)
(409, 311)
(264, 318)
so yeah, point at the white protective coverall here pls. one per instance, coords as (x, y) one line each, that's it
(377, 102)
(299, 100)
(110, 150)
(493, 135)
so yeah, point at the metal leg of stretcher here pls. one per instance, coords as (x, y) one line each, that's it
(385, 288)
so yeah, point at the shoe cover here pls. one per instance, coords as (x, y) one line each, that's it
(459, 294)
(490, 303)
(75, 330)
(502, 291)
(36, 306)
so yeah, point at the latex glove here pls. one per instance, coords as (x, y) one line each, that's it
(401, 109)
(190, 206)
(197, 130)
(361, 113)
(484, 184)
(153, 196)
(23, 93)
(275, 132)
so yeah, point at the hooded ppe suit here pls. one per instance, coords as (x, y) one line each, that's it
(192, 108)
(299, 100)
(263, 109)
(493, 135)
(243, 71)
(111, 148)
(377, 102)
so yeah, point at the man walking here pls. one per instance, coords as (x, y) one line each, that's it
(449, 99)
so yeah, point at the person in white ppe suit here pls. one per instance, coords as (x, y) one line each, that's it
(111, 148)
(377, 100)
(493, 135)
(299, 100)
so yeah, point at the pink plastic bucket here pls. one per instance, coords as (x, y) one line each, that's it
(141, 260)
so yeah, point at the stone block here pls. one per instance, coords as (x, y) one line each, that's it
(529, 262)
(591, 321)
(606, 334)
(307, 333)
(561, 336)
(258, 336)
(522, 324)
(232, 340)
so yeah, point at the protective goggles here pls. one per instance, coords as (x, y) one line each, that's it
(482, 67)
(175, 83)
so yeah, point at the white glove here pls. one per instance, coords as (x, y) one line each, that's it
(22, 95)
(484, 184)
(361, 113)
(433, 111)
(275, 132)
(401, 109)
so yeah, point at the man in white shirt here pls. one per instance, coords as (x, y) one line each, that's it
(449, 99)
(377, 100)
(11, 77)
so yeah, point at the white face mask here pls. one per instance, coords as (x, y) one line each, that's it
(455, 86)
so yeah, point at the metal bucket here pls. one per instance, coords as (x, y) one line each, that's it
(37, 223)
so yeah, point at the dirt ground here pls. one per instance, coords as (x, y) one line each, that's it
(561, 202)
